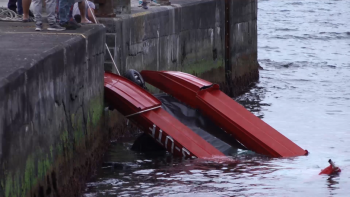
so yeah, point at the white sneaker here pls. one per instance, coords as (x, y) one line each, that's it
(38, 27)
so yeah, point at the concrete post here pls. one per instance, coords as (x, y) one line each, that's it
(109, 8)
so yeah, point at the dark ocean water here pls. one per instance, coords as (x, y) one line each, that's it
(303, 92)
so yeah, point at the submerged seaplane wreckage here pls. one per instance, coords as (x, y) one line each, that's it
(234, 126)
(193, 118)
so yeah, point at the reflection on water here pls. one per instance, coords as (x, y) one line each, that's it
(253, 100)
(303, 92)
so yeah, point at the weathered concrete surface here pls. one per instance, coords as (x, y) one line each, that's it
(188, 36)
(53, 128)
(244, 66)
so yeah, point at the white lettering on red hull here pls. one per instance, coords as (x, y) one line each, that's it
(158, 136)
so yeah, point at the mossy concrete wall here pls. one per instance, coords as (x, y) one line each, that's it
(244, 67)
(187, 36)
(53, 127)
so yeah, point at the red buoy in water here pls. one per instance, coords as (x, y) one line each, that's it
(331, 169)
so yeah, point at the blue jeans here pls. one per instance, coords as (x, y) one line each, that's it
(64, 10)
(12, 6)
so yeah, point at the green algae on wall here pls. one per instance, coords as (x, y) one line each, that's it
(77, 125)
(17, 185)
(96, 106)
(41, 162)
(199, 67)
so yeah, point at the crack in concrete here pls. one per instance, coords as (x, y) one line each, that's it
(69, 124)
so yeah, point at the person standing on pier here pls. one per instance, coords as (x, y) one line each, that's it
(51, 15)
(64, 14)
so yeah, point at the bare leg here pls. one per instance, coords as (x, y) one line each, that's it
(26, 5)
(82, 10)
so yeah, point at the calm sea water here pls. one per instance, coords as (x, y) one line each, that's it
(304, 92)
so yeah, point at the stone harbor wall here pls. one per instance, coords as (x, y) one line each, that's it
(53, 126)
(188, 36)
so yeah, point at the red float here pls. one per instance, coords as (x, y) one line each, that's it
(331, 169)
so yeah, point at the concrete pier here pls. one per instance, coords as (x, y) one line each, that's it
(52, 124)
